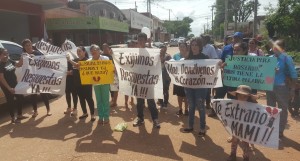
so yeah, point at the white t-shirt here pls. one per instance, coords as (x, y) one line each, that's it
(101, 58)
(210, 51)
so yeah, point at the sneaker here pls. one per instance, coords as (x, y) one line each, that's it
(83, 116)
(93, 118)
(67, 111)
(14, 120)
(21, 117)
(34, 115)
(138, 122)
(232, 157)
(100, 121)
(163, 107)
(156, 124)
(188, 130)
(212, 114)
(49, 113)
(202, 133)
(229, 140)
(106, 121)
(74, 112)
(179, 113)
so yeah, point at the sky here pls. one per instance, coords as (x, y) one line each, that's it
(198, 10)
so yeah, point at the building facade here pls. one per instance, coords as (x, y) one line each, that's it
(22, 19)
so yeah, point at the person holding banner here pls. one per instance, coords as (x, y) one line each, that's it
(113, 89)
(85, 92)
(70, 91)
(210, 51)
(101, 90)
(8, 81)
(27, 47)
(164, 56)
(196, 96)
(142, 39)
(282, 92)
(179, 90)
(243, 93)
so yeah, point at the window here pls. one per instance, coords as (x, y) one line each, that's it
(13, 50)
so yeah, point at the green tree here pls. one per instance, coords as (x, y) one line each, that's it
(179, 28)
(285, 22)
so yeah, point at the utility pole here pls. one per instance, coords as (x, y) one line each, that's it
(226, 18)
(255, 18)
(207, 24)
(212, 20)
(135, 6)
(169, 14)
(148, 6)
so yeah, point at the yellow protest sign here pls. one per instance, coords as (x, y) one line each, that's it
(96, 72)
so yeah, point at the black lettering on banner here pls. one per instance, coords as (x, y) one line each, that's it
(135, 59)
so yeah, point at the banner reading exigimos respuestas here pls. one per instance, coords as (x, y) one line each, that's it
(139, 72)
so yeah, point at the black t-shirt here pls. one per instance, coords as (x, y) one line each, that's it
(76, 74)
(199, 56)
(8, 69)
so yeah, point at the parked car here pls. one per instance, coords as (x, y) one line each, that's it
(158, 44)
(173, 42)
(15, 51)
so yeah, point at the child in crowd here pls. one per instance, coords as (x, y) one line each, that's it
(243, 93)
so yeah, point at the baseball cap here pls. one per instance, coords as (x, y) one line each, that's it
(238, 34)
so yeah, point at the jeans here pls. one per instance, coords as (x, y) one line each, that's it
(102, 98)
(280, 95)
(151, 105)
(196, 98)
(165, 101)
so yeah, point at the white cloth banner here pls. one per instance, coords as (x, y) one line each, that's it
(139, 72)
(43, 74)
(250, 122)
(200, 73)
(49, 49)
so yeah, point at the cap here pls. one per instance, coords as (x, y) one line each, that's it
(238, 34)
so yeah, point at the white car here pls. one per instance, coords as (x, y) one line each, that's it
(15, 51)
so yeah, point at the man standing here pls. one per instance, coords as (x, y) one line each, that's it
(210, 51)
(164, 56)
(142, 39)
(282, 92)
(227, 51)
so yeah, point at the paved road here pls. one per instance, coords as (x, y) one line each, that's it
(61, 137)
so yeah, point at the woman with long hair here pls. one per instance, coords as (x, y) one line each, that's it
(196, 96)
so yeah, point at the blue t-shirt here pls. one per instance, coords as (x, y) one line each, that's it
(284, 61)
(227, 51)
(177, 56)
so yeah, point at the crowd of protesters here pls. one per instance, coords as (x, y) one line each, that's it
(189, 99)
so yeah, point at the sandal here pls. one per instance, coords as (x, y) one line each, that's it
(34, 115)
